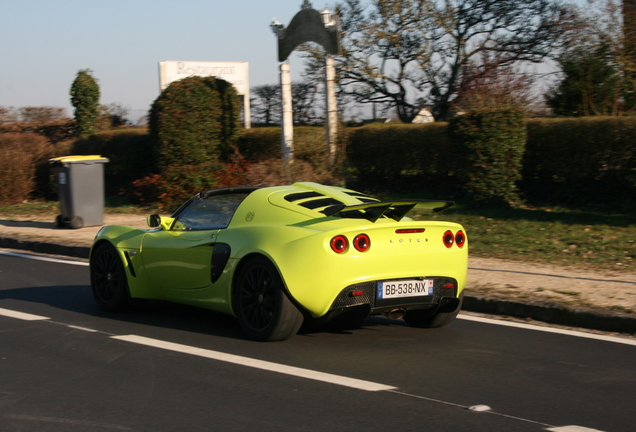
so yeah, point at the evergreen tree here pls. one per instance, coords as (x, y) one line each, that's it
(85, 99)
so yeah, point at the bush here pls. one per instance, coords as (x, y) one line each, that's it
(175, 185)
(20, 156)
(490, 146)
(195, 121)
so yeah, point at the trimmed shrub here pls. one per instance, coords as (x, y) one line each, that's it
(490, 146)
(195, 121)
(85, 99)
(20, 156)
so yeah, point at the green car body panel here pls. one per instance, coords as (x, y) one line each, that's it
(175, 265)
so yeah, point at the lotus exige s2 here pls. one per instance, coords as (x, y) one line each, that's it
(275, 256)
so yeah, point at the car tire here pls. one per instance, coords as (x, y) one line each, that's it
(263, 309)
(108, 279)
(429, 318)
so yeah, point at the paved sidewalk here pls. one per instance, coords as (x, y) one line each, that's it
(553, 294)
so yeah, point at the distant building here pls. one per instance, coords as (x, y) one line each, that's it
(424, 116)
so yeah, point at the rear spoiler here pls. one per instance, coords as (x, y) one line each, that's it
(396, 210)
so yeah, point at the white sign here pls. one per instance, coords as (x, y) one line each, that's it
(235, 73)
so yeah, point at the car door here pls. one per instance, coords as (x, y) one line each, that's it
(181, 256)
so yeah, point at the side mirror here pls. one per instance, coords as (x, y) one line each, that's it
(154, 220)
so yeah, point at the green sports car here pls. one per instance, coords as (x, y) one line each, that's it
(276, 256)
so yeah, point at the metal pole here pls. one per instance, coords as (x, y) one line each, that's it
(287, 135)
(332, 110)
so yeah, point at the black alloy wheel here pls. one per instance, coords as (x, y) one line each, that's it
(108, 279)
(261, 305)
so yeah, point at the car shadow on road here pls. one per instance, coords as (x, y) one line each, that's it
(152, 313)
(162, 314)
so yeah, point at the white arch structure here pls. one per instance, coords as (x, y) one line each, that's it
(308, 25)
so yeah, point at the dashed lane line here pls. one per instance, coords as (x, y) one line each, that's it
(21, 315)
(257, 364)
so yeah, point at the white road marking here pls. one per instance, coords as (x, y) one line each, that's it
(548, 329)
(83, 329)
(5, 252)
(21, 315)
(258, 364)
(572, 428)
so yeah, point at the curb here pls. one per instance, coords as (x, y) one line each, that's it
(552, 313)
(45, 247)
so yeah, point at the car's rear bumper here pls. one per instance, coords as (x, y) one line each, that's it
(361, 297)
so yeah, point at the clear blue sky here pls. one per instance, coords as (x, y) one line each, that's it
(43, 43)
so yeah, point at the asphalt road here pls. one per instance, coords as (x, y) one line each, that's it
(66, 366)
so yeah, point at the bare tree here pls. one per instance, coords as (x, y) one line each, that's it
(266, 105)
(412, 53)
(304, 103)
(41, 114)
(488, 84)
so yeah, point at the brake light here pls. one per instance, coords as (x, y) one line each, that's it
(339, 244)
(449, 239)
(410, 231)
(361, 242)
(460, 238)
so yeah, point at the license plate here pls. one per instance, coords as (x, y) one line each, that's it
(405, 288)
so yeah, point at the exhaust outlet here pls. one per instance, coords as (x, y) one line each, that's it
(395, 313)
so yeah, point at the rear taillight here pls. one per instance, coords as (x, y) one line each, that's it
(339, 244)
(449, 239)
(460, 238)
(361, 242)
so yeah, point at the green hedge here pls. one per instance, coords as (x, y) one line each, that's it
(490, 145)
(566, 161)
(383, 154)
(263, 143)
(581, 149)
(589, 160)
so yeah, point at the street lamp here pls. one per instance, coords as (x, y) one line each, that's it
(327, 19)
(277, 28)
